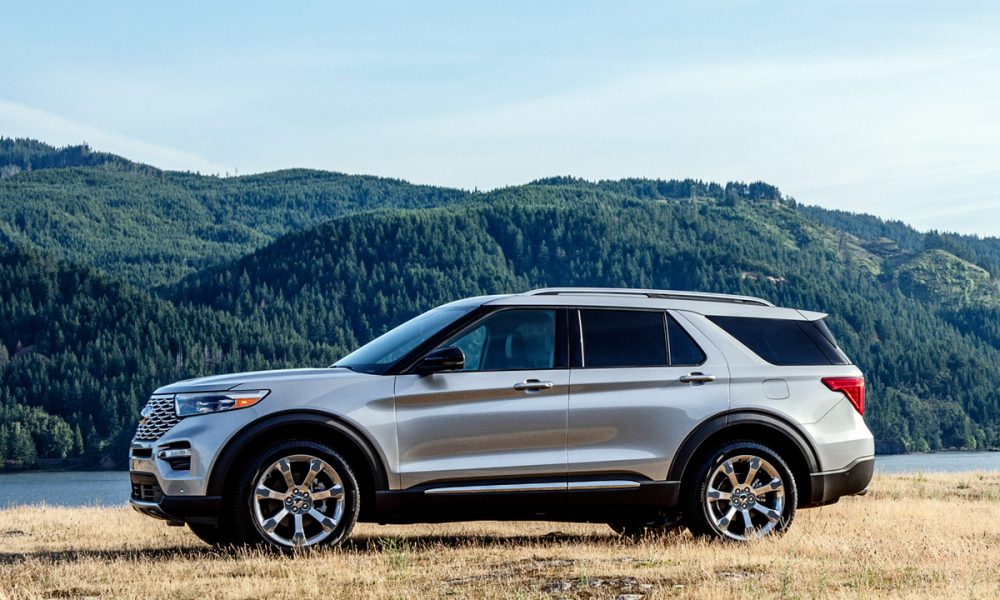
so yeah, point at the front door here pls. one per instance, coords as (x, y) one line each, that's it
(499, 421)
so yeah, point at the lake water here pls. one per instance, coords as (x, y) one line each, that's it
(940, 462)
(71, 488)
(111, 488)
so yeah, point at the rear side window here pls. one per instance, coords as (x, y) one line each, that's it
(623, 338)
(784, 342)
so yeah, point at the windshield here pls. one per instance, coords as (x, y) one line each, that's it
(379, 354)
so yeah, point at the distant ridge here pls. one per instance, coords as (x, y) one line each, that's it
(22, 154)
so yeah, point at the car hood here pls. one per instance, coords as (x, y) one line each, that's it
(254, 379)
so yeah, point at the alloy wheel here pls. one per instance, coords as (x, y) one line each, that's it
(745, 497)
(298, 501)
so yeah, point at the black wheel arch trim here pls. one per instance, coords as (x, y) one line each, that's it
(337, 426)
(713, 425)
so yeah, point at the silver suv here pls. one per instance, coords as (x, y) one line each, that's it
(643, 409)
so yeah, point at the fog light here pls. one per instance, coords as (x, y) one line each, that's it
(174, 453)
(179, 458)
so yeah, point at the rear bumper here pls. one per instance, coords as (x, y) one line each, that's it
(148, 499)
(830, 486)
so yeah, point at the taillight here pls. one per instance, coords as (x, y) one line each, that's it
(852, 387)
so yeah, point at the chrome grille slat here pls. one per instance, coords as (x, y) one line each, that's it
(160, 420)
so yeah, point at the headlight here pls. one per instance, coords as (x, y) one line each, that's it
(201, 403)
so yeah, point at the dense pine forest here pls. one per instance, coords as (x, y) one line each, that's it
(117, 277)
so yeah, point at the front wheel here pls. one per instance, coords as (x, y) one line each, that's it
(741, 491)
(297, 495)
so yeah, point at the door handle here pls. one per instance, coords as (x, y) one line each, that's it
(697, 378)
(532, 385)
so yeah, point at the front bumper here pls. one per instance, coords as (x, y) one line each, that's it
(830, 486)
(148, 499)
(181, 494)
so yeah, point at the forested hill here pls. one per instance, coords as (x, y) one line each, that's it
(17, 155)
(114, 281)
(80, 353)
(151, 227)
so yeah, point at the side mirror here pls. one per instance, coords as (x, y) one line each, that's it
(442, 359)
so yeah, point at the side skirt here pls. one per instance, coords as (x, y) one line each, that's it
(580, 499)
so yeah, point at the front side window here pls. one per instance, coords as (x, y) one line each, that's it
(509, 340)
(379, 354)
(623, 338)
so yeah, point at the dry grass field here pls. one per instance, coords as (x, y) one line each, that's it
(924, 536)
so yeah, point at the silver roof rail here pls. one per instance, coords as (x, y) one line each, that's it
(658, 294)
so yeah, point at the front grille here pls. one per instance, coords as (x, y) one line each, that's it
(145, 488)
(159, 420)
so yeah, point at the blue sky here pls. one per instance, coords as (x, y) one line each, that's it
(891, 108)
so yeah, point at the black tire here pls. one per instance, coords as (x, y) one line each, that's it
(638, 530)
(242, 502)
(212, 535)
(766, 518)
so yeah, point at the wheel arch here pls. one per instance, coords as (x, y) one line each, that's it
(758, 426)
(357, 449)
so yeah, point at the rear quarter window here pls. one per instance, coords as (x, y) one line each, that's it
(784, 342)
(683, 349)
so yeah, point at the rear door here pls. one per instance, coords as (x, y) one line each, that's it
(502, 418)
(640, 384)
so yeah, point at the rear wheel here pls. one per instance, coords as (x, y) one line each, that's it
(741, 491)
(296, 495)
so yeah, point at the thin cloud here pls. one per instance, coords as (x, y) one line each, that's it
(18, 120)
(850, 131)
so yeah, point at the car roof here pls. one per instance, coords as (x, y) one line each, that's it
(696, 302)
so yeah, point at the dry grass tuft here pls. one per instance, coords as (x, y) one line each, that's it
(912, 537)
